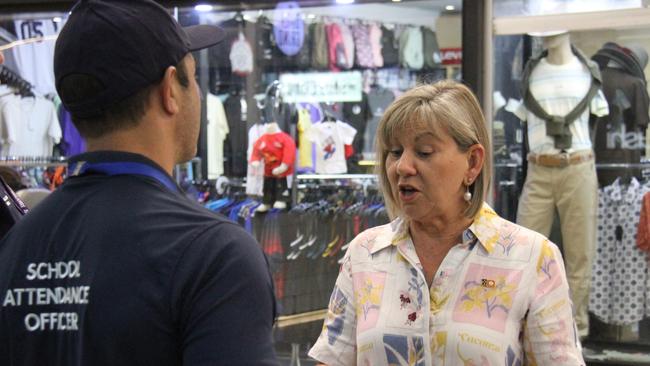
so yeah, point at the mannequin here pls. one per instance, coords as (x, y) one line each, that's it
(619, 264)
(278, 151)
(561, 89)
(619, 136)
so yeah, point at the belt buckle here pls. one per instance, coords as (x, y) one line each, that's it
(565, 159)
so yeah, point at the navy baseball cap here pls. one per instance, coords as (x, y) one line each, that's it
(126, 45)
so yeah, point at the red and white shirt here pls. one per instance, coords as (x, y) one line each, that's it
(275, 149)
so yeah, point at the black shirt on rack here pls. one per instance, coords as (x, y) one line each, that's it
(236, 143)
(356, 114)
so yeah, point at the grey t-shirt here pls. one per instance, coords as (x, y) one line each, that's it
(378, 100)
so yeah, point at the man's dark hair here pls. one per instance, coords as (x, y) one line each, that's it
(125, 113)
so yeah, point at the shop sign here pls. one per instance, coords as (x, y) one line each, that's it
(288, 27)
(452, 56)
(316, 87)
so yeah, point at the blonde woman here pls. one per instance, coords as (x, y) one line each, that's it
(447, 282)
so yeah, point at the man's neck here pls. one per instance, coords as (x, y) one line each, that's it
(134, 142)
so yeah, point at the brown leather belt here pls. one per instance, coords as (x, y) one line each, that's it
(560, 160)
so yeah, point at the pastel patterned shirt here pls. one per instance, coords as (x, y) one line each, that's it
(498, 298)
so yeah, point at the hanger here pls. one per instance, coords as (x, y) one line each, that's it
(12, 79)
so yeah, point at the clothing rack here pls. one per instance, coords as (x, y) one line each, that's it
(33, 161)
(642, 165)
(335, 176)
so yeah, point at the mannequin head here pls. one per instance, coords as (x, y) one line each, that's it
(556, 41)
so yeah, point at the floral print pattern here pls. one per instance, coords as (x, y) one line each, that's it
(502, 284)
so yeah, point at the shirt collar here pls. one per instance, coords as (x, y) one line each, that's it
(484, 228)
(99, 157)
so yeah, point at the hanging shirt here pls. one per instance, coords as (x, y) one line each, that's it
(241, 56)
(217, 130)
(34, 128)
(275, 149)
(319, 48)
(362, 46)
(264, 47)
(410, 48)
(558, 89)
(431, 51)
(305, 161)
(357, 115)
(643, 229)
(10, 119)
(619, 285)
(337, 57)
(348, 45)
(237, 137)
(499, 298)
(35, 60)
(378, 100)
(330, 138)
(255, 174)
(389, 47)
(374, 37)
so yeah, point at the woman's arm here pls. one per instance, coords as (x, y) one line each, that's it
(336, 344)
(550, 336)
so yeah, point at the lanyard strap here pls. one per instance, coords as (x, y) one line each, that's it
(123, 168)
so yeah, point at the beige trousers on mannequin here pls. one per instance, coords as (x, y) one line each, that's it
(573, 191)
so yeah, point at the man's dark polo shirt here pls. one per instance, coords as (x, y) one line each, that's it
(121, 270)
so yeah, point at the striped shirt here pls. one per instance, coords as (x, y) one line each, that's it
(558, 89)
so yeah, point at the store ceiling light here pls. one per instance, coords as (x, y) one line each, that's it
(450, 7)
(203, 7)
(57, 19)
(397, 1)
(344, 1)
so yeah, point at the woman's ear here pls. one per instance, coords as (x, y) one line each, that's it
(475, 160)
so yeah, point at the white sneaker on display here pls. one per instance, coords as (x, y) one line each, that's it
(280, 205)
(262, 208)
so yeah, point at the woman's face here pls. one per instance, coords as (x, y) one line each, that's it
(426, 174)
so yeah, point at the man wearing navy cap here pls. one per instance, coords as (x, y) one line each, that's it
(117, 267)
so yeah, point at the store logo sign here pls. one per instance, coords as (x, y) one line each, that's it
(288, 27)
(316, 87)
(452, 56)
(625, 140)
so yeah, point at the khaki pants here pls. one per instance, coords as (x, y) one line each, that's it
(573, 191)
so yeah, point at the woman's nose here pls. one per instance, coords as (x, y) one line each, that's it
(405, 165)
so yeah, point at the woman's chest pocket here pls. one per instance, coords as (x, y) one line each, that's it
(407, 301)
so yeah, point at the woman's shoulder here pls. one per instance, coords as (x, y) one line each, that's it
(375, 238)
(509, 240)
(540, 243)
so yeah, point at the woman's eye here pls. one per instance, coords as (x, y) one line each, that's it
(424, 154)
(395, 152)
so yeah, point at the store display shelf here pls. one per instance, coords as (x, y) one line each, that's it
(613, 19)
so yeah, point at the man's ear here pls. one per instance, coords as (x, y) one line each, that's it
(475, 160)
(169, 93)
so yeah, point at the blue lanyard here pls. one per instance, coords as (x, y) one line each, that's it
(123, 168)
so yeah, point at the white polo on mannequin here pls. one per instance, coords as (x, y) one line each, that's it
(558, 83)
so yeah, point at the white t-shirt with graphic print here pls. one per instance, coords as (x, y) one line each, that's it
(330, 139)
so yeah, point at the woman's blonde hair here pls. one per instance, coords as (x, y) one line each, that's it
(446, 106)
